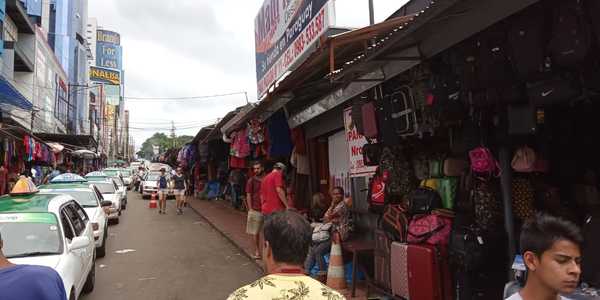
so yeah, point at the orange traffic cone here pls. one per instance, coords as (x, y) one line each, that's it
(335, 273)
(153, 203)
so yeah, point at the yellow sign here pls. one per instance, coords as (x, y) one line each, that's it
(105, 75)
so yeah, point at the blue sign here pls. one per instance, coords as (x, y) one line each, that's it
(67, 178)
(109, 55)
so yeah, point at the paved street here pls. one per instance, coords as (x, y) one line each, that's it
(175, 257)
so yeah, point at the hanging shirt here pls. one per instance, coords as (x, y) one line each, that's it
(279, 136)
(31, 282)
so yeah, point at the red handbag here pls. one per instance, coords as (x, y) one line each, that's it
(431, 229)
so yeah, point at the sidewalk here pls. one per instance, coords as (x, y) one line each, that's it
(232, 224)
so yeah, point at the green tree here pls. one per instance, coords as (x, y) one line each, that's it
(164, 142)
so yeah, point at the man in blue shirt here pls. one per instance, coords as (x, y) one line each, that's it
(19, 282)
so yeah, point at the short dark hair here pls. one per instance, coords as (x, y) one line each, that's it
(540, 233)
(289, 235)
(258, 163)
(339, 188)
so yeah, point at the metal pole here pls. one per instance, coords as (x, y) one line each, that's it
(506, 188)
(371, 13)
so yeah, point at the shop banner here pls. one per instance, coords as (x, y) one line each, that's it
(106, 36)
(109, 55)
(284, 30)
(356, 142)
(104, 75)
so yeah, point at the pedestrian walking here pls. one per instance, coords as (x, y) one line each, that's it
(180, 185)
(272, 191)
(287, 238)
(255, 216)
(163, 190)
(18, 282)
(551, 249)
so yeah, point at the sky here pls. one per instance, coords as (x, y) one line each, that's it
(185, 48)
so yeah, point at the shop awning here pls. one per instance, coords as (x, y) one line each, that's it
(437, 27)
(75, 142)
(10, 95)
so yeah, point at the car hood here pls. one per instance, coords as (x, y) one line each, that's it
(50, 261)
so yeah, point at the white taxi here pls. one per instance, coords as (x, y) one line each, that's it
(50, 230)
(90, 198)
(110, 192)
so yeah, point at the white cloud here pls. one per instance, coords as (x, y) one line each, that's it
(184, 48)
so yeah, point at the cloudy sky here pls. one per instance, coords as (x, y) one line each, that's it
(183, 48)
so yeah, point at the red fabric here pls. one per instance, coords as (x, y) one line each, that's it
(253, 188)
(268, 191)
(298, 140)
(236, 162)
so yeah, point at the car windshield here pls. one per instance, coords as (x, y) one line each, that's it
(153, 177)
(105, 187)
(118, 181)
(126, 172)
(29, 234)
(84, 198)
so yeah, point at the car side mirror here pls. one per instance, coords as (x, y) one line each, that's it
(79, 242)
(105, 203)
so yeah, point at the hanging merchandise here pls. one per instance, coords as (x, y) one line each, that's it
(571, 33)
(300, 162)
(401, 181)
(524, 160)
(483, 162)
(279, 135)
(523, 198)
(240, 147)
(256, 133)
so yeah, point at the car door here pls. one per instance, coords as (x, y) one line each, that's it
(88, 231)
(73, 260)
(79, 229)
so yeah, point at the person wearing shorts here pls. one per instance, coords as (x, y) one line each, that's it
(255, 216)
(163, 190)
(179, 189)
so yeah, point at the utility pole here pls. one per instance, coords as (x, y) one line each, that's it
(173, 132)
(33, 113)
(371, 13)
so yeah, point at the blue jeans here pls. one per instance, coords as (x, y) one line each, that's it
(316, 252)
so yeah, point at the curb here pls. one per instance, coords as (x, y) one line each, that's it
(226, 236)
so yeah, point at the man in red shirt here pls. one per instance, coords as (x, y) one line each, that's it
(255, 216)
(272, 191)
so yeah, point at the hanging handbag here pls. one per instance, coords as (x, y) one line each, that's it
(447, 189)
(483, 161)
(432, 229)
(371, 154)
(524, 160)
(454, 167)
(523, 198)
(423, 200)
(395, 222)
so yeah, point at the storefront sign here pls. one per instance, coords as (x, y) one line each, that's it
(109, 55)
(112, 94)
(355, 144)
(105, 75)
(105, 36)
(284, 30)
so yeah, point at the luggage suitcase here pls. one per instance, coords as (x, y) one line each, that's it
(399, 270)
(400, 112)
(356, 113)
(424, 273)
(387, 130)
(382, 260)
(369, 119)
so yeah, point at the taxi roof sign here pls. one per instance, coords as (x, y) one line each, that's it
(96, 174)
(67, 178)
(24, 186)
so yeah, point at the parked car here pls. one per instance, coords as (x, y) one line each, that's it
(109, 190)
(150, 184)
(90, 198)
(123, 173)
(51, 230)
(122, 191)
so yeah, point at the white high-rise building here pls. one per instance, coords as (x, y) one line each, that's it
(90, 36)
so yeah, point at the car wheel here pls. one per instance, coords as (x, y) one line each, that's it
(101, 252)
(90, 281)
(119, 212)
(116, 221)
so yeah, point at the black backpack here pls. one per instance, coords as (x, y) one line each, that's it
(527, 42)
(495, 70)
(570, 42)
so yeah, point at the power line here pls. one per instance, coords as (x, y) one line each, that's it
(186, 98)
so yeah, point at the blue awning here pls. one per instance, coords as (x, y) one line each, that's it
(10, 95)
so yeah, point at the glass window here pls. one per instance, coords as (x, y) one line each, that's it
(76, 221)
(23, 239)
(84, 198)
(105, 187)
(64, 219)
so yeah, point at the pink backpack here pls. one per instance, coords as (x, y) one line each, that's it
(483, 161)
